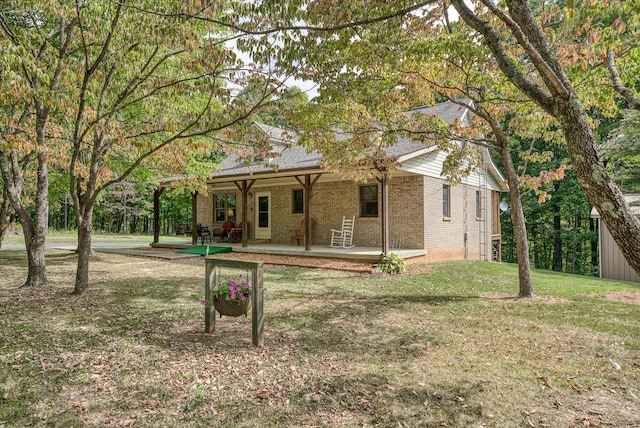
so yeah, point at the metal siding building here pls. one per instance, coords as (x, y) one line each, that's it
(612, 263)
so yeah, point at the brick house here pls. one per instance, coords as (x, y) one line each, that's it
(411, 207)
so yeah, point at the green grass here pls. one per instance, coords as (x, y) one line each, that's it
(59, 237)
(444, 345)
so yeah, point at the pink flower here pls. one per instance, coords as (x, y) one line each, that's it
(233, 295)
(203, 302)
(243, 297)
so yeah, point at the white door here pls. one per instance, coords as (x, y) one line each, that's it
(263, 215)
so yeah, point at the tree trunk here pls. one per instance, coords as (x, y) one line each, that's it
(536, 247)
(576, 226)
(84, 252)
(557, 234)
(5, 213)
(596, 182)
(35, 231)
(34, 226)
(594, 246)
(519, 225)
(37, 274)
(559, 98)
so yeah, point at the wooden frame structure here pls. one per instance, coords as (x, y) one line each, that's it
(212, 277)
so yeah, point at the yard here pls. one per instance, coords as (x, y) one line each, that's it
(444, 345)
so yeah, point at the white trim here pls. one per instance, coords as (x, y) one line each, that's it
(264, 232)
(496, 172)
(417, 153)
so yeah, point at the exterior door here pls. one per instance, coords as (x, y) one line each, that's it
(263, 215)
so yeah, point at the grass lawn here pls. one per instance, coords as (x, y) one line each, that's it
(441, 346)
(58, 237)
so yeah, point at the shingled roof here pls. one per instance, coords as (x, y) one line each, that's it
(447, 111)
(293, 157)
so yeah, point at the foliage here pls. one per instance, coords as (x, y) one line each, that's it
(391, 264)
(236, 290)
(549, 58)
(372, 77)
(120, 93)
(621, 152)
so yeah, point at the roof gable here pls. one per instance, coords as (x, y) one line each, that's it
(447, 111)
(292, 157)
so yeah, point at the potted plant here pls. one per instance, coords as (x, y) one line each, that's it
(233, 297)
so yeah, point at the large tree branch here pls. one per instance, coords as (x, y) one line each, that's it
(184, 134)
(618, 85)
(532, 42)
(88, 73)
(278, 28)
(508, 67)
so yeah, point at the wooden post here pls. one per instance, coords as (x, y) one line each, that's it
(385, 213)
(257, 311)
(245, 196)
(307, 214)
(194, 218)
(156, 214)
(308, 187)
(212, 278)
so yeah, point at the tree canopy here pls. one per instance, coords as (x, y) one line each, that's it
(560, 59)
(100, 89)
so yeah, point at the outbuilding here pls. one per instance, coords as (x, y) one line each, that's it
(612, 263)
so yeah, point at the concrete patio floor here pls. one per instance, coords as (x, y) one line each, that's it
(368, 254)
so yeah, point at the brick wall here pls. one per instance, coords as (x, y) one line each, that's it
(445, 237)
(406, 205)
(329, 202)
(205, 210)
(410, 226)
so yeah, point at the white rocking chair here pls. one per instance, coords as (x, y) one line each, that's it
(343, 238)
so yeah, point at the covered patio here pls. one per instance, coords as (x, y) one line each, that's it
(365, 254)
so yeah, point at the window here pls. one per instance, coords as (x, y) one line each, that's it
(369, 201)
(478, 205)
(297, 201)
(225, 207)
(446, 200)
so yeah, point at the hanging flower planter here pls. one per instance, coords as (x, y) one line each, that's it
(233, 298)
(231, 308)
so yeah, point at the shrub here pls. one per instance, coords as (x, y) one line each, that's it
(391, 264)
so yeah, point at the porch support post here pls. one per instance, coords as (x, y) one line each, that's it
(245, 196)
(385, 212)
(156, 214)
(308, 186)
(194, 218)
(307, 214)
